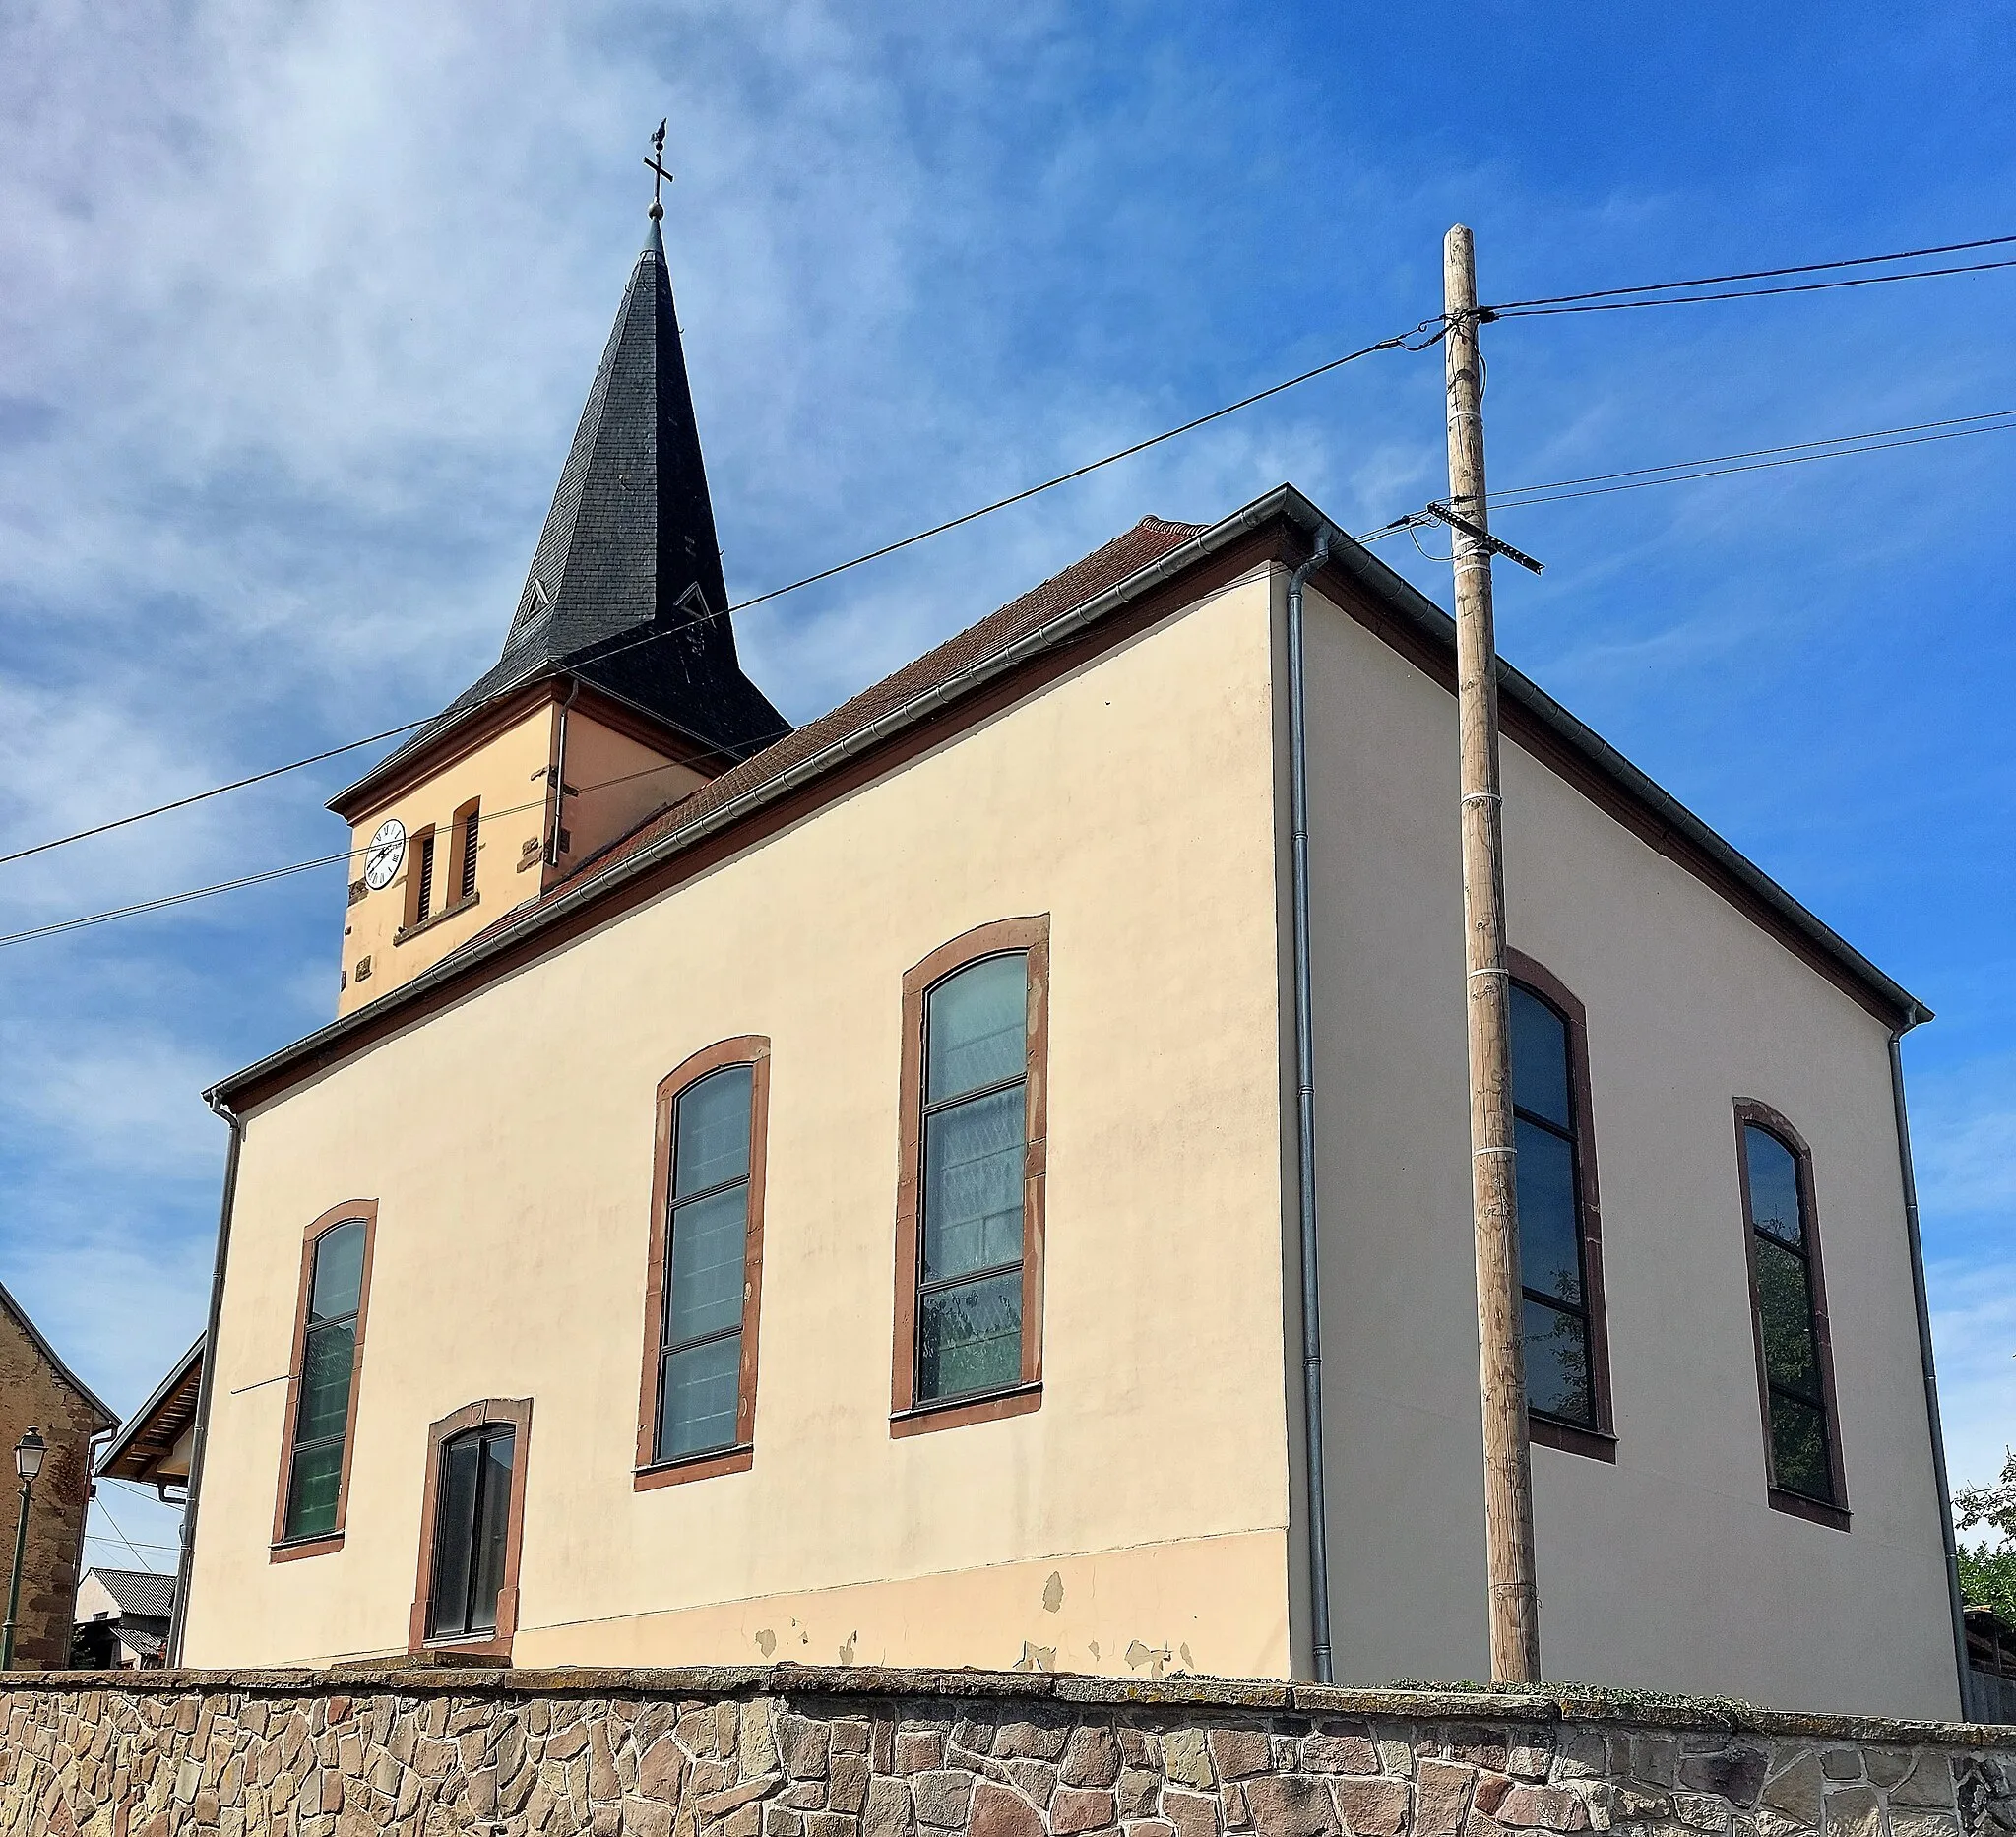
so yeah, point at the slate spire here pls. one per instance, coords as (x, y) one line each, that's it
(629, 549)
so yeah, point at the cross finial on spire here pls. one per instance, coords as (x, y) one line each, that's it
(660, 174)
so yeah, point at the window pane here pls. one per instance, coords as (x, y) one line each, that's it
(709, 1240)
(1774, 1185)
(1790, 1356)
(312, 1489)
(324, 1404)
(338, 1272)
(698, 1390)
(1558, 1364)
(455, 1517)
(970, 1338)
(974, 1030)
(714, 1131)
(1539, 1058)
(493, 1527)
(1799, 1449)
(973, 1184)
(1550, 1232)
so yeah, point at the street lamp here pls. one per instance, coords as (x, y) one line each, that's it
(29, 1454)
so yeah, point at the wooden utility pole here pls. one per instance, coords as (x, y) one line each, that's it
(1501, 1345)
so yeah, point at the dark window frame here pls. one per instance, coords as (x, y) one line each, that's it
(285, 1548)
(516, 1412)
(752, 1050)
(1029, 938)
(1751, 1112)
(1598, 1441)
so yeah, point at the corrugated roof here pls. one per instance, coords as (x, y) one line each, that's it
(138, 1592)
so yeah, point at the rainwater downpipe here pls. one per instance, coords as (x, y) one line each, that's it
(1925, 1351)
(206, 1386)
(560, 775)
(1305, 1121)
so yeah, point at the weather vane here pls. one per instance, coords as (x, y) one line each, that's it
(661, 175)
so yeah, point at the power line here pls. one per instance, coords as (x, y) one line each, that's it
(123, 1537)
(277, 873)
(1755, 274)
(216, 791)
(1798, 445)
(1421, 337)
(1428, 329)
(1800, 453)
(1747, 294)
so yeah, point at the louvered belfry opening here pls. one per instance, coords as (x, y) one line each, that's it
(468, 821)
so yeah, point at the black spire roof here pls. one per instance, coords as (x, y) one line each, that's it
(625, 589)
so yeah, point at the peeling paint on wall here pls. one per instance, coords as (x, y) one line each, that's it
(1053, 1592)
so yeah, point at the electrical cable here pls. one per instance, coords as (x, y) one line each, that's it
(1796, 446)
(56, 927)
(1755, 274)
(1741, 294)
(1428, 333)
(123, 1537)
(1429, 330)
(1795, 456)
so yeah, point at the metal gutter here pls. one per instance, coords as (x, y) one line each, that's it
(1402, 601)
(1309, 1242)
(200, 1442)
(1925, 1353)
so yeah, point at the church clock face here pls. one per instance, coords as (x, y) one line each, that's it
(386, 852)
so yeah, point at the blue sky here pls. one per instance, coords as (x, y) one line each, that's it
(301, 303)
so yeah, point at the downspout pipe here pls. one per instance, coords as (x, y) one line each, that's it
(560, 775)
(1925, 1351)
(1305, 1121)
(207, 1385)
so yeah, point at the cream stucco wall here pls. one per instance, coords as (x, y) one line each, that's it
(508, 1141)
(1667, 1570)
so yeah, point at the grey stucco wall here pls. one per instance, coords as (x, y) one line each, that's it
(1669, 1569)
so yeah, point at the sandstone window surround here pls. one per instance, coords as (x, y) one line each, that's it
(939, 1283)
(325, 1372)
(1788, 1318)
(708, 1180)
(440, 1495)
(1561, 1216)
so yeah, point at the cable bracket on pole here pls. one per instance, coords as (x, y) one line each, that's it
(1443, 514)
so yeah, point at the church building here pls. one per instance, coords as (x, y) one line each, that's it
(835, 1193)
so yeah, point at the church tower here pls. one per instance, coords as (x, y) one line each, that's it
(618, 690)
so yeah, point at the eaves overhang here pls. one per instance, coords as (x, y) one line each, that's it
(1666, 823)
(144, 1419)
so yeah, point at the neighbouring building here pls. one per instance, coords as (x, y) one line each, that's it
(122, 1619)
(37, 1390)
(833, 1192)
(153, 1445)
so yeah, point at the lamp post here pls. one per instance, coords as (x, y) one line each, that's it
(28, 1452)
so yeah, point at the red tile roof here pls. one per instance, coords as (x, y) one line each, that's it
(1148, 541)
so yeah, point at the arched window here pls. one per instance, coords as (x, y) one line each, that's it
(1560, 1255)
(970, 1210)
(697, 1409)
(1788, 1313)
(471, 1524)
(329, 1337)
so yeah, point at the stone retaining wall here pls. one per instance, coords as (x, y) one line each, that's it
(791, 1752)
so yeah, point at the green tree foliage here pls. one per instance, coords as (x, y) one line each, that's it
(1987, 1576)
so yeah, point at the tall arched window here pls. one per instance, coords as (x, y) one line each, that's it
(968, 1306)
(1560, 1255)
(1788, 1313)
(697, 1407)
(321, 1416)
